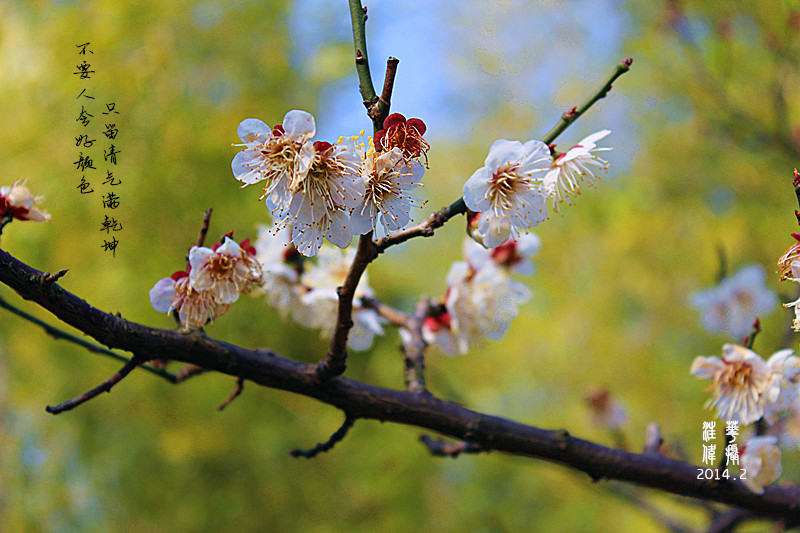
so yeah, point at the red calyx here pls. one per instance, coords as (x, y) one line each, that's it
(322, 147)
(278, 130)
(179, 274)
(247, 247)
(393, 120)
(506, 254)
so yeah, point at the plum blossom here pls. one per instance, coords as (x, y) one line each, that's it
(512, 255)
(576, 165)
(279, 155)
(388, 181)
(735, 303)
(478, 303)
(745, 386)
(761, 459)
(508, 190)
(225, 270)
(195, 308)
(17, 202)
(213, 280)
(404, 134)
(789, 262)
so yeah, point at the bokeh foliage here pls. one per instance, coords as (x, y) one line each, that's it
(713, 96)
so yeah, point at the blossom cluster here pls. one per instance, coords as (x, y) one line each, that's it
(306, 290)
(481, 298)
(745, 387)
(332, 190)
(213, 280)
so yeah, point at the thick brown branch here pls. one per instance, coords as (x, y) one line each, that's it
(97, 391)
(425, 228)
(366, 401)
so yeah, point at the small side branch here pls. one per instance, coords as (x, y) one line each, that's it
(57, 333)
(414, 349)
(385, 101)
(201, 237)
(440, 448)
(574, 114)
(727, 522)
(235, 394)
(426, 228)
(340, 434)
(103, 387)
(358, 15)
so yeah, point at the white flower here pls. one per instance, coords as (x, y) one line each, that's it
(735, 303)
(280, 155)
(195, 308)
(388, 181)
(574, 166)
(745, 386)
(761, 459)
(478, 303)
(16, 201)
(512, 254)
(225, 271)
(324, 198)
(508, 191)
(278, 258)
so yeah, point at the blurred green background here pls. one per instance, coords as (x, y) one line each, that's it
(706, 133)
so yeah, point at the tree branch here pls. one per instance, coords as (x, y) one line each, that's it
(335, 362)
(337, 437)
(574, 114)
(57, 333)
(361, 400)
(97, 391)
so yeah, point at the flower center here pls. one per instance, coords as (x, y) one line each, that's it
(737, 374)
(504, 184)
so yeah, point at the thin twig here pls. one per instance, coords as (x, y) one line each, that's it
(394, 316)
(235, 394)
(201, 237)
(440, 448)
(414, 350)
(338, 435)
(573, 114)
(57, 333)
(189, 371)
(385, 101)
(358, 15)
(103, 387)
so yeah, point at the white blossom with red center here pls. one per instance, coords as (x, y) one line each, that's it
(195, 308)
(508, 190)
(735, 302)
(323, 199)
(17, 202)
(280, 155)
(478, 304)
(576, 165)
(761, 459)
(388, 181)
(225, 270)
(745, 386)
(512, 255)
